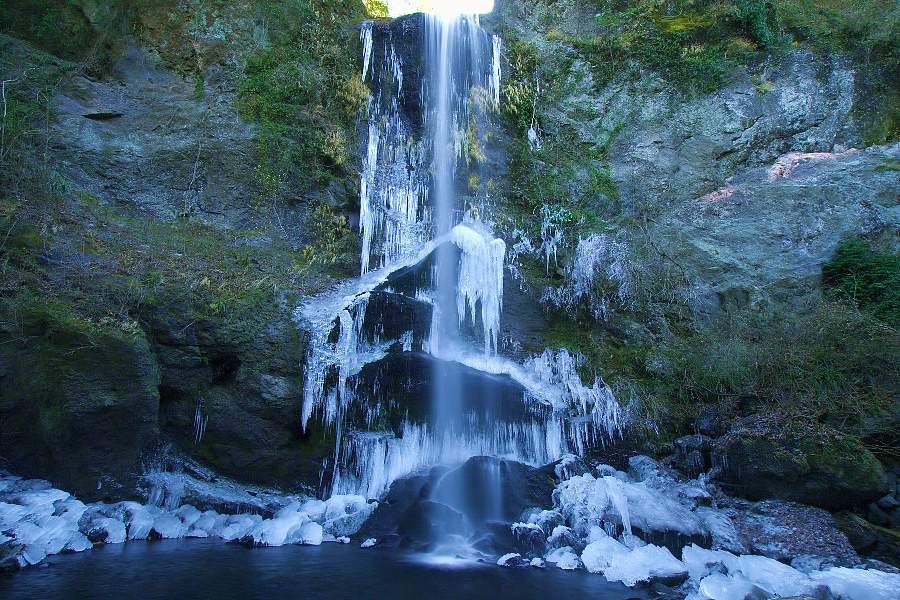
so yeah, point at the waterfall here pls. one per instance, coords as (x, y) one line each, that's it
(404, 364)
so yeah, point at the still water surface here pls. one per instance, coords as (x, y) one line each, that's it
(212, 569)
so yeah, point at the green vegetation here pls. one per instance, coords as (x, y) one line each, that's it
(78, 31)
(519, 88)
(831, 366)
(693, 44)
(866, 278)
(377, 9)
(305, 91)
(696, 45)
(569, 179)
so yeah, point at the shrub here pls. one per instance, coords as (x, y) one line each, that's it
(868, 279)
(828, 363)
(304, 91)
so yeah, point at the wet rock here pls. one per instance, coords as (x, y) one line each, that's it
(888, 503)
(486, 487)
(393, 317)
(80, 407)
(876, 515)
(834, 473)
(868, 539)
(529, 539)
(692, 457)
(400, 385)
(570, 466)
(9, 557)
(428, 521)
(401, 496)
(405, 34)
(513, 559)
(563, 537)
(785, 531)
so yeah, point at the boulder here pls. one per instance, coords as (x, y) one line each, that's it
(400, 387)
(828, 471)
(427, 522)
(490, 488)
(78, 402)
(692, 454)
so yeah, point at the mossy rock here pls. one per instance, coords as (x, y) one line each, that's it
(828, 470)
(78, 400)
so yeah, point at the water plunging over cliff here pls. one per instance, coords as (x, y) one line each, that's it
(403, 364)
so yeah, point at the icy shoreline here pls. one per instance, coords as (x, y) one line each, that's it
(38, 520)
(606, 521)
(599, 522)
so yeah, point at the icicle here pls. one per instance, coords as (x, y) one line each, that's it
(559, 369)
(365, 36)
(495, 70)
(599, 255)
(366, 186)
(480, 280)
(200, 422)
(373, 460)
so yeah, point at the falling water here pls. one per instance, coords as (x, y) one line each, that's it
(458, 56)
(431, 77)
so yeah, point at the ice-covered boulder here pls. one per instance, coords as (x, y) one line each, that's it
(284, 528)
(310, 533)
(345, 515)
(529, 538)
(859, 584)
(547, 520)
(513, 559)
(645, 564)
(599, 554)
(565, 558)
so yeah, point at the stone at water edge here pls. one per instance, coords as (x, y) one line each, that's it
(428, 521)
(834, 474)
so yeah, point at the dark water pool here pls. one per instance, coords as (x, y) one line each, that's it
(212, 569)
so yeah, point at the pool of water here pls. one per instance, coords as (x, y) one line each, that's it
(213, 569)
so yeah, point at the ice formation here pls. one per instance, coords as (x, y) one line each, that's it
(365, 37)
(393, 183)
(37, 520)
(480, 280)
(557, 372)
(495, 68)
(508, 559)
(409, 214)
(599, 259)
(607, 514)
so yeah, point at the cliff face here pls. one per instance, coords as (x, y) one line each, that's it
(672, 211)
(162, 224)
(167, 213)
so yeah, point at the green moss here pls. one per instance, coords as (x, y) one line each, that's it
(519, 89)
(304, 91)
(844, 458)
(62, 28)
(199, 86)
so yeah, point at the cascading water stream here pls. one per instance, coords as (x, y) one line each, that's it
(453, 59)
(431, 291)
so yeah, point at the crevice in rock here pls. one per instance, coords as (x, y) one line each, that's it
(224, 367)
